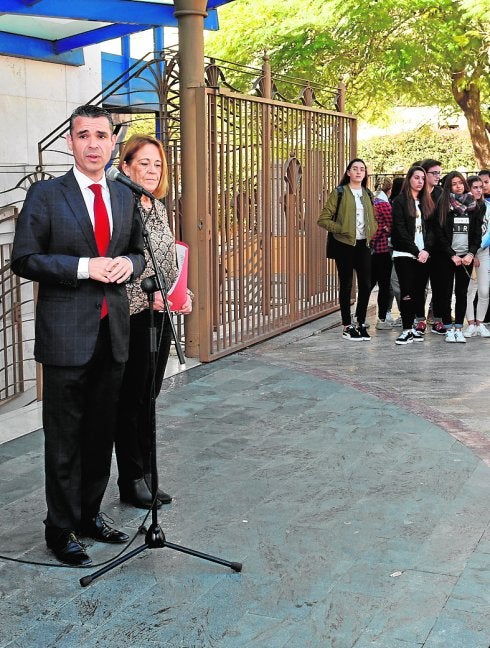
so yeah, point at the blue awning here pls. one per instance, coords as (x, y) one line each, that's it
(57, 30)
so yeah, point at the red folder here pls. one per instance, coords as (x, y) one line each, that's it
(178, 291)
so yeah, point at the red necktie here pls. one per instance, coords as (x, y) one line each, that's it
(102, 230)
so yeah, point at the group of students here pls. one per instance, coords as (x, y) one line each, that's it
(433, 230)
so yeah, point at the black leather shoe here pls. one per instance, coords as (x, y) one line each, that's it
(164, 497)
(98, 529)
(137, 493)
(68, 549)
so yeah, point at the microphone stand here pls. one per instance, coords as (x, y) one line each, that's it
(154, 537)
(160, 282)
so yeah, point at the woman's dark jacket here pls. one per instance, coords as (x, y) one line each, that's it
(403, 229)
(443, 234)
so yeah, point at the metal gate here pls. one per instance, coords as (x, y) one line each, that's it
(269, 167)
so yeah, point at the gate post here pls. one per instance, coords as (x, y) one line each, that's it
(266, 174)
(190, 15)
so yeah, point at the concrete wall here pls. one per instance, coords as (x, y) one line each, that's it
(35, 97)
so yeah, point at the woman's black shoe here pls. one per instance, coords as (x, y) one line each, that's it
(137, 493)
(164, 497)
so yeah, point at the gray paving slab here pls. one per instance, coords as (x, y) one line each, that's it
(352, 481)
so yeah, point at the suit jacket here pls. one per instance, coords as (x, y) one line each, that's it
(53, 231)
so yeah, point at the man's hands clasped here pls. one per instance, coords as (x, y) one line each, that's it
(109, 270)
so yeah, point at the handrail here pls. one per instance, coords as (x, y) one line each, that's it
(133, 71)
(24, 183)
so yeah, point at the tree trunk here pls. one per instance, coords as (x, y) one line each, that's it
(467, 96)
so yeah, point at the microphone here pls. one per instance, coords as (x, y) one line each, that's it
(149, 285)
(115, 174)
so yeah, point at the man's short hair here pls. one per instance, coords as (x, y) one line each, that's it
(90, 111)
(428, 163)
(484, 172)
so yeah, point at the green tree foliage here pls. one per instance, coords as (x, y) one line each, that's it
(388, 52)
(141, 124)
(395, 154)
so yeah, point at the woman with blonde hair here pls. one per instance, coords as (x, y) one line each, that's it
(143, 160)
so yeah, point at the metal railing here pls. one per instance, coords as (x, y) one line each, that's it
(270, 166)
(18, 371)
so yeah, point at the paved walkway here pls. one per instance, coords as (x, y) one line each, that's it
(351, 479)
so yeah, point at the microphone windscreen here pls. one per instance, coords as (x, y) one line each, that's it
(112, 173)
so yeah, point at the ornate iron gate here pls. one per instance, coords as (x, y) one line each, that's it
(269, 167)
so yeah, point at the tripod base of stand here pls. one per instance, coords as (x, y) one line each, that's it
(155, 539)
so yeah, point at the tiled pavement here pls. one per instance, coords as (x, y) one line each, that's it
(351, 479)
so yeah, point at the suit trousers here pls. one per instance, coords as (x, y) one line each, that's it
(134, 433)
(79, 408)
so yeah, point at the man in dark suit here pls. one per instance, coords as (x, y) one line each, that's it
(82, 325)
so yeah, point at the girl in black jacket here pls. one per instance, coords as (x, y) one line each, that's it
(457, 237)
(411, 238)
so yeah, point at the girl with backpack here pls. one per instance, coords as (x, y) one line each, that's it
(349, 216)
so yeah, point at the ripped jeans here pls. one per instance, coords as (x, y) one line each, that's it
(412, 276)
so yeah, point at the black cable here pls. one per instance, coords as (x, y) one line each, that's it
(58, 565)
(128, 545)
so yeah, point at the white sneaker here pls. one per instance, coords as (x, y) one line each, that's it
(482, 330)
(383, 325)
(471, 331)
(450, 335)
(458, 336)
(397, 322)
(389, 317)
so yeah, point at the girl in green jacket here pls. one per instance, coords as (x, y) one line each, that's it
(349, 216)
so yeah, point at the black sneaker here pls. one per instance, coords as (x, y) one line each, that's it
(417, 336)
(406, 337)
(438, 328)
(362, 330)
(351, 333)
